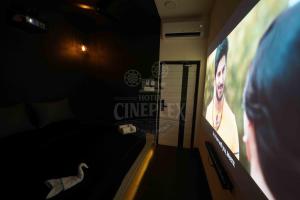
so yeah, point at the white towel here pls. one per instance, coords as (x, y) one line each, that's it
(60, 184)
(127, 129)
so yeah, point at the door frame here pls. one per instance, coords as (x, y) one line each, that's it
(180, 135)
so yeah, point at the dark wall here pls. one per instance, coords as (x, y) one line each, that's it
(49, 65)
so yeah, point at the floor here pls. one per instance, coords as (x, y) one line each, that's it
(174, 174)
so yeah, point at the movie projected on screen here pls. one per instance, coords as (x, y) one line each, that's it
(227, 69)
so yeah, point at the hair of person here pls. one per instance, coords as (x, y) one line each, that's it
(222, 50)
(271, 102)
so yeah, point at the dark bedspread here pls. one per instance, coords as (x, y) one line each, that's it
(28, 159)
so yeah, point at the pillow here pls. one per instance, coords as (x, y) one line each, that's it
(50, 112)
(14, 119)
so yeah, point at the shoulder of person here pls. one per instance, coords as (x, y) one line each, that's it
(209, 107)
(228, 111)
(208, 112)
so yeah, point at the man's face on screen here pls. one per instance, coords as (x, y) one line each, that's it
(220, 78)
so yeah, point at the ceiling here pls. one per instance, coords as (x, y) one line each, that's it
(125, 15)
(170, 9)
(137, 16)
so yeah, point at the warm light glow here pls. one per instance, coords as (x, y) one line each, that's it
(139, 176)
(83, 48)
(85, 6)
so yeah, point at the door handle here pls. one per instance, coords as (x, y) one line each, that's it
(162, 105)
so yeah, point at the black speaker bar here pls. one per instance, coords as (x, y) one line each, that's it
(223, 177)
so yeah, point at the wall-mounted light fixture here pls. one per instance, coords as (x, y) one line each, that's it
(85, 6)
(83, 48)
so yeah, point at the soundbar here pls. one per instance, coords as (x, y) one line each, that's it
(223, 177)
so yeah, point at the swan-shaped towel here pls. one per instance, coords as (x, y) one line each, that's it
(60, 184)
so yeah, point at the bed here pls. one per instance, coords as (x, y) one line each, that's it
(34, 155)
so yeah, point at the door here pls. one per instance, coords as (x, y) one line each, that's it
(178, 90)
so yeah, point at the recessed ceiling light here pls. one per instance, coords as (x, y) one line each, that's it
(170, 4)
